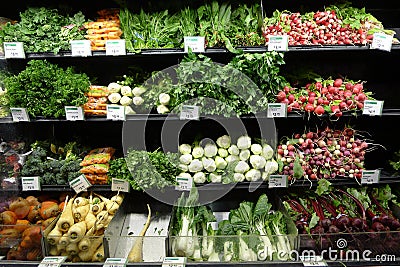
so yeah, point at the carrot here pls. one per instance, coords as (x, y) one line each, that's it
(136, 253)
(61, 205)
(49, 209)
(33, 215)
(21, 225)
(8, 217)
(66, 219)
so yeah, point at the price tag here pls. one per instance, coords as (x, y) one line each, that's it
(19, 114)
(277, 110)
(214, 225)
(373, 107)
(277, 181)
(115, 262)
(52, 261)
(81, 48)
(278, 43)
(115, 47)
(370, 177)
(80, 184)
(120, 185)
(73, 113)
(382, 41)
(116, 112)
(30, 183)
(174, 262)
(190, 113)
(1, 257)
(14, 50)
(184, 183)
(196, 43)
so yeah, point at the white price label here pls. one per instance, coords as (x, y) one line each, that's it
(30, 183)
(190, 113)
(52, 261)
(80, 184)
(81, 48)
(196, 43)
(73, 113)
(116, 112)
(19, 114)
(174, 262)
(382, 41)
(1, 257)
(277, 110)
(184, 183)
(278, 42)
(313, 261)
(115, 47)
(373, 107)
(277, 181)
(370, 177)
(14, 50)
(115, 262)
(120, 185)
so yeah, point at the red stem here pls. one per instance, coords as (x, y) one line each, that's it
(318, 209)
(329, 207)
(359, 204)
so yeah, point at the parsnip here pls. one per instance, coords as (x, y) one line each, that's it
(81, 201)
(90, 220)
(84, 244)
(97, 208)
(53, 251)
(72, 249)
(88, 254)
(136, 253)
(99, 254)
(64, 241)
(102, 217)
(118, 198)
(54, 236)
(81, 212)
(76, 232)
(66, 219)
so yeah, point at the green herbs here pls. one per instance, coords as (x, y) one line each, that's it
(118, 169)
(43, 30)
(44, 89)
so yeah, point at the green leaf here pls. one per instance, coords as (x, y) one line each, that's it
(314, 220)
(324, 187)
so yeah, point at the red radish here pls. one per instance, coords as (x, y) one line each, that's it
(347, 94)
(361, 97)
(291, 98)
(318, 86)
(349, 86)
(311, 99)
(286, 89)
(335, 108)
(281, 96)
(342, 105)
(338, 82)
(319, 110)
(309, 107)
(320, 101)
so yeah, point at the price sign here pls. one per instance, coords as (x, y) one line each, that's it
(115, 47)
(196, 43)
(1, 257)
(190, 113)
(174, 262)
(370, 177)
(278, 43)
(382, 41)
(115, 262)
(116, 112)
(313, 261)
(19, 114)
(120, 185)
(52, 261)
(81, 48)
(14, 50)
(277, 181)
(73, 113)
(184, 183)
(373, 107)
(80, 184)
(277, 110)
(30, 183)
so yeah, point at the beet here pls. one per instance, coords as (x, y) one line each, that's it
(343, 222)
(378, 227)
(395, 225)
(357, 223)
(325, 223)
(333, 229)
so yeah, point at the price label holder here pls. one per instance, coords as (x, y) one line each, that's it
(116, 112)
(275, 181)
(30, 183)
(1, 257)
(73, 113)
(115, 47)
(196, 43)
(190, 113)
(278, 43)
(373, 107)
(120, 185)
(14, 50)
(382, 41)
(53, 261)
(80, 184)
(81, 48)
(184, 183)
(370, 176)
(174, 262)
(19, 114)
(115, 262)
(277, 110)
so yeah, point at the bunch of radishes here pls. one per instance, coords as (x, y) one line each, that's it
(325, 154)
(325, 96)
(315, 28)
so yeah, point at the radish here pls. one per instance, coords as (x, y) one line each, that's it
(281, 96)
(319, 110)
(338, 82)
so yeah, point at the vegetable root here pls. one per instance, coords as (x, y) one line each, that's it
(136, 253)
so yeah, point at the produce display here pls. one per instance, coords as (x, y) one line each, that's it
(79, 230)
(95, 164)
(227, 160)
(326, 153)
(253, 232)
(10, 162)
(97, 101)
(22, 220)
(335, 25)
(328, 214)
